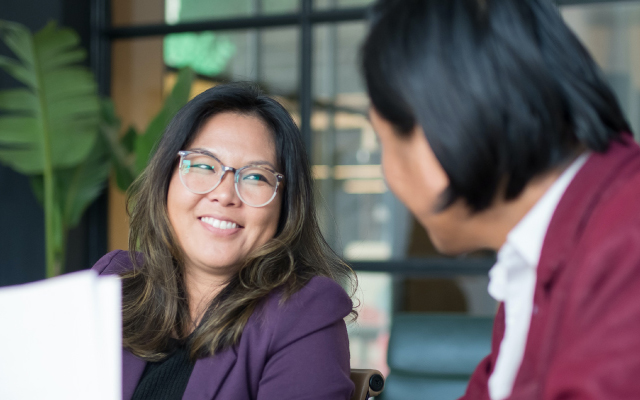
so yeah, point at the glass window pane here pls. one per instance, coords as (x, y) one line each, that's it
(369, 336)
(278, 57)
(136, 12)
(266, 56)
(330, 4)
(355, 207)
(194, 10)
(611, 33)
(370, 223)
(279, 6)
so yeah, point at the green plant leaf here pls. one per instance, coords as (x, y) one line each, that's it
(59, 106)
(108, 114)
(65, 58)
(77, 187)
(81, 185)
(18, 71)
(124, 166)
(19, 131)
(18, 38)
(58, 46)
(58, 236)
(49, 128)
(17, 100)
(128, 140)
(121, 155)
(179, 96)
(37, 186)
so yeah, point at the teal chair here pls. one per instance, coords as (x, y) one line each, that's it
(432, 356)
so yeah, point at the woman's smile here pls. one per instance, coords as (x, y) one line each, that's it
(218, 223)
(220, 227)
(217, 230)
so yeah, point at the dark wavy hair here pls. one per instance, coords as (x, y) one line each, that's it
(502, 89)
(155, 307)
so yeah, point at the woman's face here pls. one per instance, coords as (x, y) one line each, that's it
(236, 140)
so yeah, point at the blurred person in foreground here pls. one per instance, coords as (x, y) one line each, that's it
(499, 132)
(232, 293)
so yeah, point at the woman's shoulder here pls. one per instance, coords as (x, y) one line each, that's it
(320, 303)
(323, 290)
(319, 294)
(113, 263)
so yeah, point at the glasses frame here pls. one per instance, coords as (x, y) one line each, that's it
(225, 169)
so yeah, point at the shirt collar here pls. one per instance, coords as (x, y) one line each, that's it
(524, 242)
(528, 235)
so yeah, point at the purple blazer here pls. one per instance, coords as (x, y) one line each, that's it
(298, 350)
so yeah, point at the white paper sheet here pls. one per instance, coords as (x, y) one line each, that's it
(60, 339)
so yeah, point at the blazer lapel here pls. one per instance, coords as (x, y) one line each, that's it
(576, 205)
(209, 374)
(132, 369)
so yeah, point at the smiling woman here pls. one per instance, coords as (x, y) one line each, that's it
(233, 293)
(214, 226)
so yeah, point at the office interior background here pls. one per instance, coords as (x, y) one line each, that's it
(305, 53)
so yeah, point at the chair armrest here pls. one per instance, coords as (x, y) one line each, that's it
(369, 383)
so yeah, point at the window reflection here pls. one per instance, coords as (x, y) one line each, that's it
(329, 4)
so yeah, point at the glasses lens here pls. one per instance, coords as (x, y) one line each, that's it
(256, 186)
(199, 172)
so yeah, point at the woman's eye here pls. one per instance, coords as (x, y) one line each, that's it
(203, 167)
(255, 178)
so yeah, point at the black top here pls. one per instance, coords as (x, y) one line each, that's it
(166, 379)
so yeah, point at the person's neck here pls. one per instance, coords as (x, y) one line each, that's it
(202, 288)
(504, 215)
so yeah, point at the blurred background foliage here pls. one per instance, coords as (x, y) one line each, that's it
(57, 130)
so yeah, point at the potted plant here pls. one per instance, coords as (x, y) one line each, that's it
(56, 129)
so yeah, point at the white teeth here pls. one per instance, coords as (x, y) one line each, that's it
(216, 223)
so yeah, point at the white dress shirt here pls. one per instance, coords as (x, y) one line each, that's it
(513, 279)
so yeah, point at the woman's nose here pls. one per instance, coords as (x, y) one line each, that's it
(225, 192)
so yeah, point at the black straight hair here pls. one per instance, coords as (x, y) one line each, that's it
(502, 89)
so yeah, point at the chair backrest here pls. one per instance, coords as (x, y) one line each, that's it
(369, 383)
(432, 356)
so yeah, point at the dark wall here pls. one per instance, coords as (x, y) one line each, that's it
(22, 255)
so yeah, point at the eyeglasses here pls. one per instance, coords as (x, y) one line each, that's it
(201, 172)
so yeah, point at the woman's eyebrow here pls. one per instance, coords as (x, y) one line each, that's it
(256, 162)
(262, 162)
(207, 152)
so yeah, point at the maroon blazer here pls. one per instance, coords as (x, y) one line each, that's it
(297, 350)
(584, 338)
